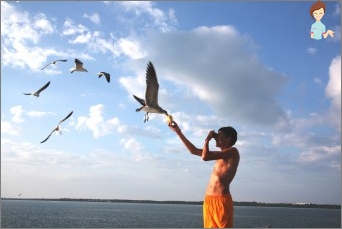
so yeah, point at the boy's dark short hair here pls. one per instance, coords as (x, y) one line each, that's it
(229, 131)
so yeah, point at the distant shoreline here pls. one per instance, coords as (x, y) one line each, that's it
(236, 203)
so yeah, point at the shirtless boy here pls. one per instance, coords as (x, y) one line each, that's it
(218, 203)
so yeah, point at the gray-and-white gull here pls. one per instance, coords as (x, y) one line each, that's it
(150, 104)
(78, 67)
(58, 127)
(40, 90)
(54, 62)
(107, 75)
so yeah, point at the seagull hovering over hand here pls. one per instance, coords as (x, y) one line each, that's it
(58, 127)
(107, 75)
(54, 62)
(150, 104)
(40, 90)
(78, 67)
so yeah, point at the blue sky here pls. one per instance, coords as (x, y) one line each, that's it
(251, 65)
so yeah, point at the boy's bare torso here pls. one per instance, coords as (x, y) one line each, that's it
(222, 175)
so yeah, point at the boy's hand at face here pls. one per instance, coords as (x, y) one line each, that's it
(212, 134)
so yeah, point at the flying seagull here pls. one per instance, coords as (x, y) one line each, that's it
(53, 62)
(78, 67)
(58, 127)
(40, 90)
(150, 104)
(107, 75)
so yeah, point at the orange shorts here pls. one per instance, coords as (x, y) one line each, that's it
(218, 211)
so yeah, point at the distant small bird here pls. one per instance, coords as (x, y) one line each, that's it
(150, 104)
(40, 90)
(58, 127)
(78, 67)
(20, 194)
(54, 62)
(107, 75)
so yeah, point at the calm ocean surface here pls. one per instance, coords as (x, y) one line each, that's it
(76, 214)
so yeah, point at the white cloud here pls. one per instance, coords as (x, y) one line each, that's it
(69, 28)
(17, 112)
(42, 24)
(134, 85)
(131, 143)
(80, 33)
(38, 114)
(21, 33)
(95, 40)
(82, 39)
(136, 150)
(320, 153)
(9, 128)
(20, 37)
(216, 72)
(95, 18)
(16, 26)
(333, 90)
(131, 48)
(97, 124)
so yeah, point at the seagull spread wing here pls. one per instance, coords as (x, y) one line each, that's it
(107, 75)
(152, 86)
(43, 88)
(54, 62)
(57, 126)
(66, 117)
(78, 63)
(141, 101)
(48, 136)
(46, 66)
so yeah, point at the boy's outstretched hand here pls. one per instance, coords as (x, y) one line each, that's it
(174, 126)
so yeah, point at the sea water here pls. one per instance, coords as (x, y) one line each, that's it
(77, 214)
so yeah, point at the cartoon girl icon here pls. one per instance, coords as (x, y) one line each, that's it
(317, 11)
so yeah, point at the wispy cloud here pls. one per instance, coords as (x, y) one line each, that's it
(337, 9)
(151, 15)
(95, 18)
(311, 50)
(69, 28)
